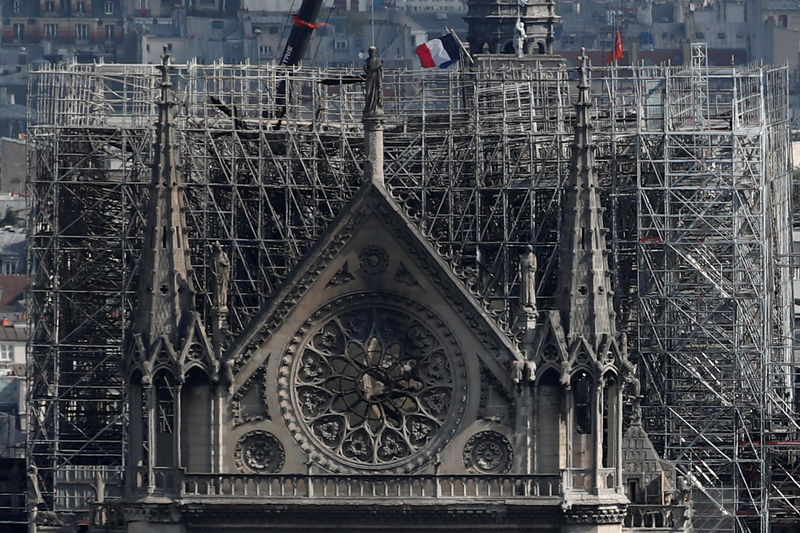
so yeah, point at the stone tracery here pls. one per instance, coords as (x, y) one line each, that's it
(375, 384)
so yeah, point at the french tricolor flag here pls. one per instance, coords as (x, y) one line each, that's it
(441, 52)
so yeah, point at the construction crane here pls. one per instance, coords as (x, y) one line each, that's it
(305, 22)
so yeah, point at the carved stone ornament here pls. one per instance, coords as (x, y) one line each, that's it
(341, 277)
(606, 514)
(259, 452)
(550, 353)
(402, 275)
(373, 260)
(488, 452)
(249, 404)
(373, 381)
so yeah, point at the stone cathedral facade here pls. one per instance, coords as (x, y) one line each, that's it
(374, 390)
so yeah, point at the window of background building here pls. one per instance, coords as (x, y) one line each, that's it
(340, 45)
(19, 31)
(80, 7)
(109, 32)
(81, 32)
(17, 6)
(50, 5)
(50, 30)
(108, 7)
(6, 352)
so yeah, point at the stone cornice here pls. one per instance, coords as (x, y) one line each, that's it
(595, 514)
(534, 513)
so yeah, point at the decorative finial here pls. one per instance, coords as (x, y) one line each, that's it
(583, 82)
(583, 69)
(165, 84)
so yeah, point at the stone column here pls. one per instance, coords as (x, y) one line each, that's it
(618, 436)
(177, 425)
(151, 438)
(134, 437)
(597, 434)
(568, 418)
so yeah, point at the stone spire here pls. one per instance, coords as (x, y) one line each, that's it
(165, 295)
(583, 292)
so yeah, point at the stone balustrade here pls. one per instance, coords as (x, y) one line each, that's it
(367, 488)
(276, 486)
(583, 479)
(655, 517)
(162, 481)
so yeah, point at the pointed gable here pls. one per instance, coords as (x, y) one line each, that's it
(372, 246)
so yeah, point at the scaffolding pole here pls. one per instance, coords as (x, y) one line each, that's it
(694, 169)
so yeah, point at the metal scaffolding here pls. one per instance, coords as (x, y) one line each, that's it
(694, 165)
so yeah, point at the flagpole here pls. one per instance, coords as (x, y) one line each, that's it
(460, 44)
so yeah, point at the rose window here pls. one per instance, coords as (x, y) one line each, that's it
(375, 384)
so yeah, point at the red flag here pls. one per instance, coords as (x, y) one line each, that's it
(616, 53)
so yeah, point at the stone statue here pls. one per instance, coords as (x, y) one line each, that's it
(527, 280)
(373, 86)
(222, 275)
(34, 494)
(228, 373)
(530, 369)
(517, 371)
(519, 38)
(566, 374)
(99, 488)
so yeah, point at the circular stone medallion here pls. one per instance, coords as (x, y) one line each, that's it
(259, 452)
(489, 452)
(373, 259)
(373, 382)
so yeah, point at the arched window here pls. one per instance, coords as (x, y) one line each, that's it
(549, 441)
(611, 421)
(196, 422)
(137, 430)
(164, 388)
(582, 395)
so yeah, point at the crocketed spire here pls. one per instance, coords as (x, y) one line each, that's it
(583, 294)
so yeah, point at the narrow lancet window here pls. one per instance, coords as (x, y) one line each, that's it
(582, 390)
